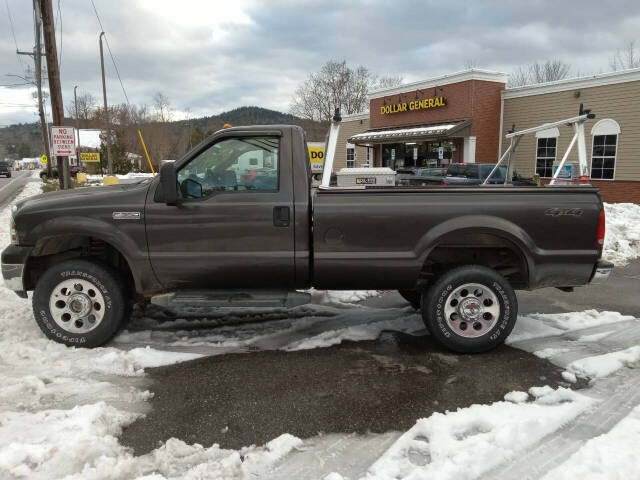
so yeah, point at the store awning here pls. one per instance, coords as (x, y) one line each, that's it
(425, 132)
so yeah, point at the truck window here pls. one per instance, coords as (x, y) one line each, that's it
(230, 165)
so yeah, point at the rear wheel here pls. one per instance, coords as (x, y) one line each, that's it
(411, 296)
(470, 309)
(79, 303)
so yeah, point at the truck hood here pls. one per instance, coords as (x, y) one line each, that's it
(76, 197)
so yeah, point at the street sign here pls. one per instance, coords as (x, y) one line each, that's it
(89, 157)
(44, 159)
(63, 141)
(440, 153)
(316, 157)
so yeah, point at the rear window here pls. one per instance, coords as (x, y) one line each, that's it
(499, 174)
(4, 164)
(465, 171)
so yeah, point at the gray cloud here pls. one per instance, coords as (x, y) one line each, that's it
(211, 56)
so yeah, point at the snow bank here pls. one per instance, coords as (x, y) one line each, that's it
(98, 178)
(603, 365)
(357, 333)
(622, 239)
(340, 297)
(609, 456)
(546, 324)
(465, 444)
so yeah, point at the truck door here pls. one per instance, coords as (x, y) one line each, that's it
(233, 226)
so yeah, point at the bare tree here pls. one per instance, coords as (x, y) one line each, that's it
(626, 58)
(387, 81)
(470, 63)
(537, 72)
(86, 107)
(162, 107)
(336, 85)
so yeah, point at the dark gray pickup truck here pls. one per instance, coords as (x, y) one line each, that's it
(235, 223)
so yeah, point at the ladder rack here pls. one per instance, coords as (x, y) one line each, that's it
(578, 137)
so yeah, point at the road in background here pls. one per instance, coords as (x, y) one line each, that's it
(10, 187)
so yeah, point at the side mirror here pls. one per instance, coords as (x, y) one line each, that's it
(168, 182)
(189, 188)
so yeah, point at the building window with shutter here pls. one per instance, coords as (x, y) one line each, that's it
(351, 155)
(604, 149)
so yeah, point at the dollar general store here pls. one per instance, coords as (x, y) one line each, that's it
(463, 117)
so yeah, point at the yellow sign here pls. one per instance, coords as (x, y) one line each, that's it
(413, 105)
(316, 157)
(43, 159)
(88, 157)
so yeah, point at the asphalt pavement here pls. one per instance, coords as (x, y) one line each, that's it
(10, 187)
(378, 386)
(372, 386)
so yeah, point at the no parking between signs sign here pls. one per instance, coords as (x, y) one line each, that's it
(63, 141)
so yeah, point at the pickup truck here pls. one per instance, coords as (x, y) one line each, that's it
(235, 223)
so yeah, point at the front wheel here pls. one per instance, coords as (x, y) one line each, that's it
(79, 303)
(470, 309)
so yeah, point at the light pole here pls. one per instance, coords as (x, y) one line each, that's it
(106, 111)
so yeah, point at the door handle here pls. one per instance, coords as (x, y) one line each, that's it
(281, 216)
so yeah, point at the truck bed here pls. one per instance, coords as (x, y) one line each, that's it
(388, 238)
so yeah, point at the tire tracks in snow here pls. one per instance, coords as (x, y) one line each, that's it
(618, 395)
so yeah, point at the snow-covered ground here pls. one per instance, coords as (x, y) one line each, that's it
(622, 239)
(62, 409)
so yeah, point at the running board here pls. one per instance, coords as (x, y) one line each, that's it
(232, 298)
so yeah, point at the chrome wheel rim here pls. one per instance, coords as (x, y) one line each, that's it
(77, 305)
(472, 310)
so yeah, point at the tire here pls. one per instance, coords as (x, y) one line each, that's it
(80, 303)
(470, 309)
(411, 296)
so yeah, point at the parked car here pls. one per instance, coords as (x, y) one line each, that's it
(44, 174)
(477, 173)
(458, 254)
(5, 169)
(420, 176)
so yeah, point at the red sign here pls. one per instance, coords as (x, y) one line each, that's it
(63, 141)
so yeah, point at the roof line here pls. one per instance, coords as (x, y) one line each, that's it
(461, 76)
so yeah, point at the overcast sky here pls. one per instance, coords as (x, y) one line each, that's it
(208, 56)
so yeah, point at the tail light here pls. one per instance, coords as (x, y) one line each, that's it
(443, 184)
(601, 229)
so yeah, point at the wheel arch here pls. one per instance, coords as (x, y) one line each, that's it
(472, 238)
(58, 240)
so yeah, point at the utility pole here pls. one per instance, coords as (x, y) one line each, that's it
(37, 59)
(106, 110)
(55, 90)
(75, 104)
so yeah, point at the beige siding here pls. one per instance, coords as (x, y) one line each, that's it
(620, 102)
(349, 128)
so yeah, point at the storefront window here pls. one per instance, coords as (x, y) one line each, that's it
(399, 156)
(545, 156)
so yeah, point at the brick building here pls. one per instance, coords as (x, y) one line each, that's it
(462, 117)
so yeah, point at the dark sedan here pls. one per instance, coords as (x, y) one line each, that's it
(5, 169)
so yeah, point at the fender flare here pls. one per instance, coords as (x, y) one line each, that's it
(480, 224)
(91, 227)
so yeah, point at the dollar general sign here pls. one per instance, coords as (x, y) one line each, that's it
(425, 104)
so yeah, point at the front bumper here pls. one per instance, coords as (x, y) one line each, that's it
(601, 272)
(12, 262)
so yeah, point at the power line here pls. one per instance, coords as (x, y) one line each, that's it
(13, 32)
(113, 60)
